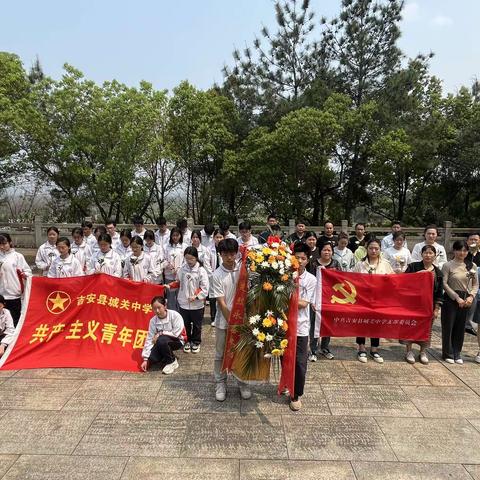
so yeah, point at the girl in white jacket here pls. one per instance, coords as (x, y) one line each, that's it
(193, 290)
(7, 329)
(47, 252)
(13, 270)
(66, 264)
(123, 247)
(105, 260)
(138, 265)
(80, 249)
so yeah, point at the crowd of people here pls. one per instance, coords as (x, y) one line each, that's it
(202, 266)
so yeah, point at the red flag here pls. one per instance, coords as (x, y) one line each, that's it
(396, 306)
(237, 314)
(95, 321)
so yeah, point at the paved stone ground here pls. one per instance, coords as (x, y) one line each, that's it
(390, 421)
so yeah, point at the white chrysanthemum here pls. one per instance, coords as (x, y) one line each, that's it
(269, 313)
(259, 344)
(280, 288)
(269, 337)
(255, 331)
(275, 265)
(275, 245)
(294, 275)
(264, 264)
(254, 319)
(288, 263)
(281, 271)
(279, 322)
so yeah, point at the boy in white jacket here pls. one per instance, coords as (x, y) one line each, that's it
(166, 333)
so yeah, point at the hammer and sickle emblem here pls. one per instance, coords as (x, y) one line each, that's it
(348, 296)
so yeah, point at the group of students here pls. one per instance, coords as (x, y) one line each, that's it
(200, 265)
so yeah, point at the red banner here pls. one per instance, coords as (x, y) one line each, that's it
(95, 321)
(396, 306)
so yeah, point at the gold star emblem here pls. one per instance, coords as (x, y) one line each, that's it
(58, 302)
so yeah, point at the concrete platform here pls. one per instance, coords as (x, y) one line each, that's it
(359, 421)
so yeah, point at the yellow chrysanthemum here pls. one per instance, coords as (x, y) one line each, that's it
(259, 258)
(284, 343)
(266, 251)
(261, 337)
(276, 352)
(267, 322)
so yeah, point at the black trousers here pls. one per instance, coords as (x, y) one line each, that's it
(453, 328)
(193, 320)
(162, 351)
(15, 307)
(325, 342)
(374, 342)
(300, 366)
(213, 308)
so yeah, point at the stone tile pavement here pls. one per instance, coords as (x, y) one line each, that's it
(393, 421)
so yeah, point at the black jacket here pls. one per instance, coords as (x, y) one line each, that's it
(437, 282)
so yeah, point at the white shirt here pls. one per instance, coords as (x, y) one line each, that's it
(45, 255)
(138, 234)
(252, 241)
(7, 327)
(92, 242)
(123, 252)
(307, 285)
(231, 235)
(140, 269)
(10, 262)
(204, 257)
(172, 261)
(83, 253)
(399, 259)
(345, 258)
(115, 240)
(383, 267)
(162, 239)
(224, 284)
(171, 325)
(65, 267)
(187, 237)
(156, 256)
(193, 283)
(206, 240)
(440, 259)
(109, 263)
(387, 242)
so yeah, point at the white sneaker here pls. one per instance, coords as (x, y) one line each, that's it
(477, 358)
(312, 358)
(449, 360)
(212, 323)
(170, 368)
(410, 357)
(362, 357)
(220, 392)
(459, 361)
(187, 347)
(423, 358)
(377, 357)
(245, 392)
(195, 348)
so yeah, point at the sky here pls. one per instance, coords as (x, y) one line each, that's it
(165, 41)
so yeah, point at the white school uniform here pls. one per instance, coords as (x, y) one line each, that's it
(109, 263)
(115, 240)
(7, 327)
(65, 267)
(92, 242)
(204, 258)
(138, 234)
(162, 239)
(123, 252)
(206, 240)
(172, 325)
(156, 255)
(46, 253)
(82, 252)
(251, 242)
(140, 269)
(10, 263)
(172, 260)
(307, 286)
(224, 284)
(193, 283)
(187, 237)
